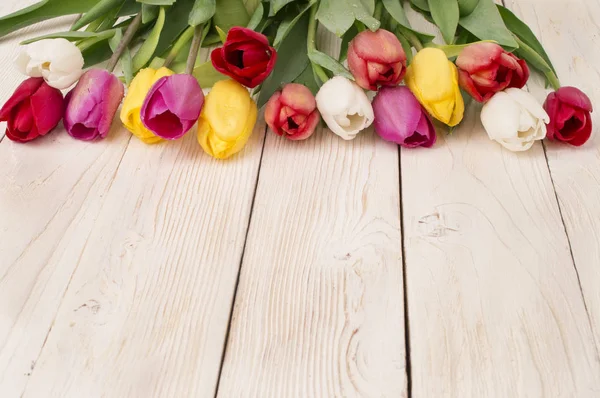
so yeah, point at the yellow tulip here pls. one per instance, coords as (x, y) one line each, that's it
(434, 81)
(138, 89)
(227, 119)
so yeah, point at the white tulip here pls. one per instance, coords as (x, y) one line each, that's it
(58, 61)
(345, 107)
(514, 119)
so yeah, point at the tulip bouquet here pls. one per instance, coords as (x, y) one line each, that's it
(265, 54)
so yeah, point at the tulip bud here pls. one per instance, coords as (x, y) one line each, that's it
(58, 61)
(34, 109)
(92, 104)
(434, 81)
(172, 106)
(132, 105)
(514, 119)
(376, 59)
(400, 118)
(227, 120)
(570, 120)
(344, 107)
(485, 69)
(246, 57)
(293, 112)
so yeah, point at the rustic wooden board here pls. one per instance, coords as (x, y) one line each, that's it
(319, 308)
(494, 304)
(570, 32)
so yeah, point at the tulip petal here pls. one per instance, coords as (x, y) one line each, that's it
(272, 111)
(299, 98)
(500, 116)
(478, 56)
(48, 107)
(528, 102)
(380, 46)
(574, 97)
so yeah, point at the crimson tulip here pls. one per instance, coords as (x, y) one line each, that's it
(172, 106)
(570, 120)
(33, 110)
(92, 104)
(292, 112)
(401, 119)
(376, 59)
(246, 57)
(486, 68)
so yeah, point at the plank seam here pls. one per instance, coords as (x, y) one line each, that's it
(237, 282)
(562, 219)
(34, 362)
(408, 369)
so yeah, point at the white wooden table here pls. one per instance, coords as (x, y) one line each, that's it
(322, 268)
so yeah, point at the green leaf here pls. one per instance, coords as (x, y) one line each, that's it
(485, 23)
(346, 39)
(177, 15)
(126, 61)
(445, 14)
(407, 48)
(230, 13)
(277, 5)
(523, 32)
(339, 15)
(202, 11)
(329, 63)
(293, 15)
(307, 78)
(100, 9)
(100, 37)
(222, 34)
(292, 59)
(149, 13)
(207, 75)
(467, 6)
(71, 36)
(256, 17)
(395, 9)
(157, 2)
(42, 11)
(421, 4)
(147, 50)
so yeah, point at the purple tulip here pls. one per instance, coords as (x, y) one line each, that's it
(172, 106)
(92, 104)
(400, 118)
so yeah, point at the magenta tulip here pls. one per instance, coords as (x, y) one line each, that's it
(92, 104)
(400, 118)
(172, 106)
(570, 116)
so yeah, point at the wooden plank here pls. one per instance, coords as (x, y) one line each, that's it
(147, 309)
(570, 32)
(319, 307)
(494, 304)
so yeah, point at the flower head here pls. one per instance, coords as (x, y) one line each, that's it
(292, 112)
(92, 104)
(514, 119)
(58, 61)
(344, 107)
(227, 119)
(570, 116)
(434, 81)
(33, 110)
(246, 57)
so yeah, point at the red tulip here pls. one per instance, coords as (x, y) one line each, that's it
(485, 69)
(34, 109)
(401, 119)
(245, 57)
(376, 59)
(570, 119)
(293, 112)
(92, 104)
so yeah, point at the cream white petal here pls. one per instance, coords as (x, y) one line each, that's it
(528, 102)
(500, 116)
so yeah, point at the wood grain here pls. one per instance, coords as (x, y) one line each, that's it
(570, 33)
(319, 308)
(494, 304)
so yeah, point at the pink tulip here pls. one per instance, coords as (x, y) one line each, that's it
(400, 118)
(292, 112)
(92, 104)
(172, 106)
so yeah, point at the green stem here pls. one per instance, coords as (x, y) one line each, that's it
(185, 37)
(129, 33)
(412, 38)
(196, 42)
(537, 61)
(311, 44)
(553, 79)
